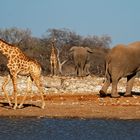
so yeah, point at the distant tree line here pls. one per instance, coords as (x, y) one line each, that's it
(40, 48)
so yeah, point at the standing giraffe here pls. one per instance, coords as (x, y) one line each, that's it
(20, 64)
(53, 59)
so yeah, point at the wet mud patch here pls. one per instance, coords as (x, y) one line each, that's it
(76, 106)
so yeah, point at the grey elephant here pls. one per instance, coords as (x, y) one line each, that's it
(81, 59)
(122, 61)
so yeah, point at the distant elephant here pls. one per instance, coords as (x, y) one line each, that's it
(122, 61)
(81, 59)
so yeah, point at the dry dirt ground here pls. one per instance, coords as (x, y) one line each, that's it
(74, 97)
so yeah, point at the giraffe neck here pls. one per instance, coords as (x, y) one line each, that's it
(5, 48)
(53, 51)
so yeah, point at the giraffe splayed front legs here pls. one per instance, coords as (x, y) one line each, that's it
(6, 81)
(37, 83)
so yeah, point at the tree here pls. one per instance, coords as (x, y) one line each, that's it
(14, 35)
(40, 48)
(63, 37)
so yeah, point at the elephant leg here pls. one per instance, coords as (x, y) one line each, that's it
(76, 70)
(84, 68)
(130, 81)
(82, 72)
(114, 93)
(103, 91)
(79, 71)
(87, 72)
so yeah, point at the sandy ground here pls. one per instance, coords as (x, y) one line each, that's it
(65, 102)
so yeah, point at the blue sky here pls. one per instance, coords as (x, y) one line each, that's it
(119, 19)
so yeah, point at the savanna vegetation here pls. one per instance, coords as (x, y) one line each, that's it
(40, 48)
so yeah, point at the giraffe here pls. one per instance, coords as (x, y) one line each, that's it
(20, 64)
(53, 59)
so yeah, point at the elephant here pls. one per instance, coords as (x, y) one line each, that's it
(81, 59)
(121, 61)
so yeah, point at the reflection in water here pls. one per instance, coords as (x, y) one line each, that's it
(71, 129)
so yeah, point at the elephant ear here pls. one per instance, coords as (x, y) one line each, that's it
(88, 50)
(71, 51)
(72, 48)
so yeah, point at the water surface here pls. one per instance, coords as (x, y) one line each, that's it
(68, 129)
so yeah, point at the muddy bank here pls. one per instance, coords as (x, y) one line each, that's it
(72, 97)
(81, 106)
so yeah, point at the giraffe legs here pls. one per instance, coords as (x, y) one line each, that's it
(14, 93)
(52, 69)
(6, 81)
(14, 81)
(38, 84)
(55, 68)
(29, 82)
